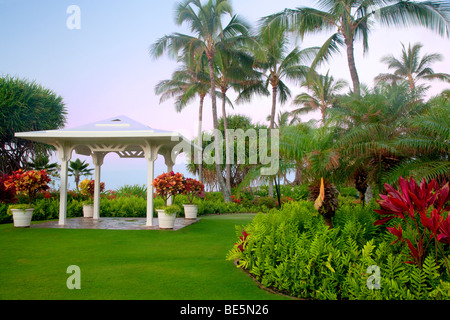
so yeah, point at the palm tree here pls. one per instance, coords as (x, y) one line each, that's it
(411, 68)
(313, 150)
(234, 70)
(427, 144)
(189, 81)
(42, 162)
(205, 21)
(372, 125)
(353, 19)
(278, 64)
(77, 169)
(323, 89)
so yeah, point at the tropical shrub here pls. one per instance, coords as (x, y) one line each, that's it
(28, 183)
(294, 252)
(192, 188)
(87, 188)
(6, 195)
(132, 191)
(168, 185)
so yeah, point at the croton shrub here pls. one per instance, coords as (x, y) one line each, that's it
(28, 183)
(168, 184)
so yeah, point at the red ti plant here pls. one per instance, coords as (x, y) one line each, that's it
(421, 209)
(242, 239)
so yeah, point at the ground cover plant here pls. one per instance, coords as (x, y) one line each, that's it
(293, 251)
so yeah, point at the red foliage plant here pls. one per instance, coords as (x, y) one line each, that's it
(242, 240)
(421, 209)
(193, 188)
(168, 184)
(28, 183)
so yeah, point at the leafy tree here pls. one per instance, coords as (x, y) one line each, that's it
(25, 106)
(353, 20)
(411, 68)
(205, 21)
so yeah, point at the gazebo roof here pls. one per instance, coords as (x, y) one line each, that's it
(118, 134)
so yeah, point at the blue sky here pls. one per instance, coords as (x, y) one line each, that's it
(103, 69)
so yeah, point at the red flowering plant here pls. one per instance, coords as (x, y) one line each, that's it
(421, 210)
(28, 183)
(168, 185)
(192, 188)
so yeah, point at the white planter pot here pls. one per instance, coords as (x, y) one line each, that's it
(22, 218)
(165, 221)
(88, 210)
(190, 211)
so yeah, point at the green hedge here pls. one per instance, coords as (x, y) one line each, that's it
(292, 251)
(48, 209)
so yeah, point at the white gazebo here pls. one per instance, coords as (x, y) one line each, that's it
(121, 135)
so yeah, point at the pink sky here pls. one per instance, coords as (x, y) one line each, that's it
(104, 70)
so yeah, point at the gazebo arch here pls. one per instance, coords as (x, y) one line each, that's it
(121, 135)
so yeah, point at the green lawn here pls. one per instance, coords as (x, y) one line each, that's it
(120, 264)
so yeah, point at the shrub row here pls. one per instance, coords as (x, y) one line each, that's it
(292, 251)
(134, 206)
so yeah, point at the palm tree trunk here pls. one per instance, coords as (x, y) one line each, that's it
(227, 144)
(200, 138)
(352, 66)
(220, 180)
(271, 126)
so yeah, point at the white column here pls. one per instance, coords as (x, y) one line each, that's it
(169, 163)
(63, 193)
(97, 158)
(150, 174)
(64, 152)
(150, 154)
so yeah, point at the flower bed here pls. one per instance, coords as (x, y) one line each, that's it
(294, 252)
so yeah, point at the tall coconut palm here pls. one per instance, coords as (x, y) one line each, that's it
(189, 81)
(234, 71)
(410, 67)
(353, 19)
(205, 21)
(323, 94)
(278, 64)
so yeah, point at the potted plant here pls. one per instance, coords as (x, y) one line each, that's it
(192, 188)
(168, 185)
(27, 184)
(87, 189)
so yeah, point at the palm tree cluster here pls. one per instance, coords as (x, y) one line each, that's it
(368, 135)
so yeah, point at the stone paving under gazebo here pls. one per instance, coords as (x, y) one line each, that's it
(115, 223)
